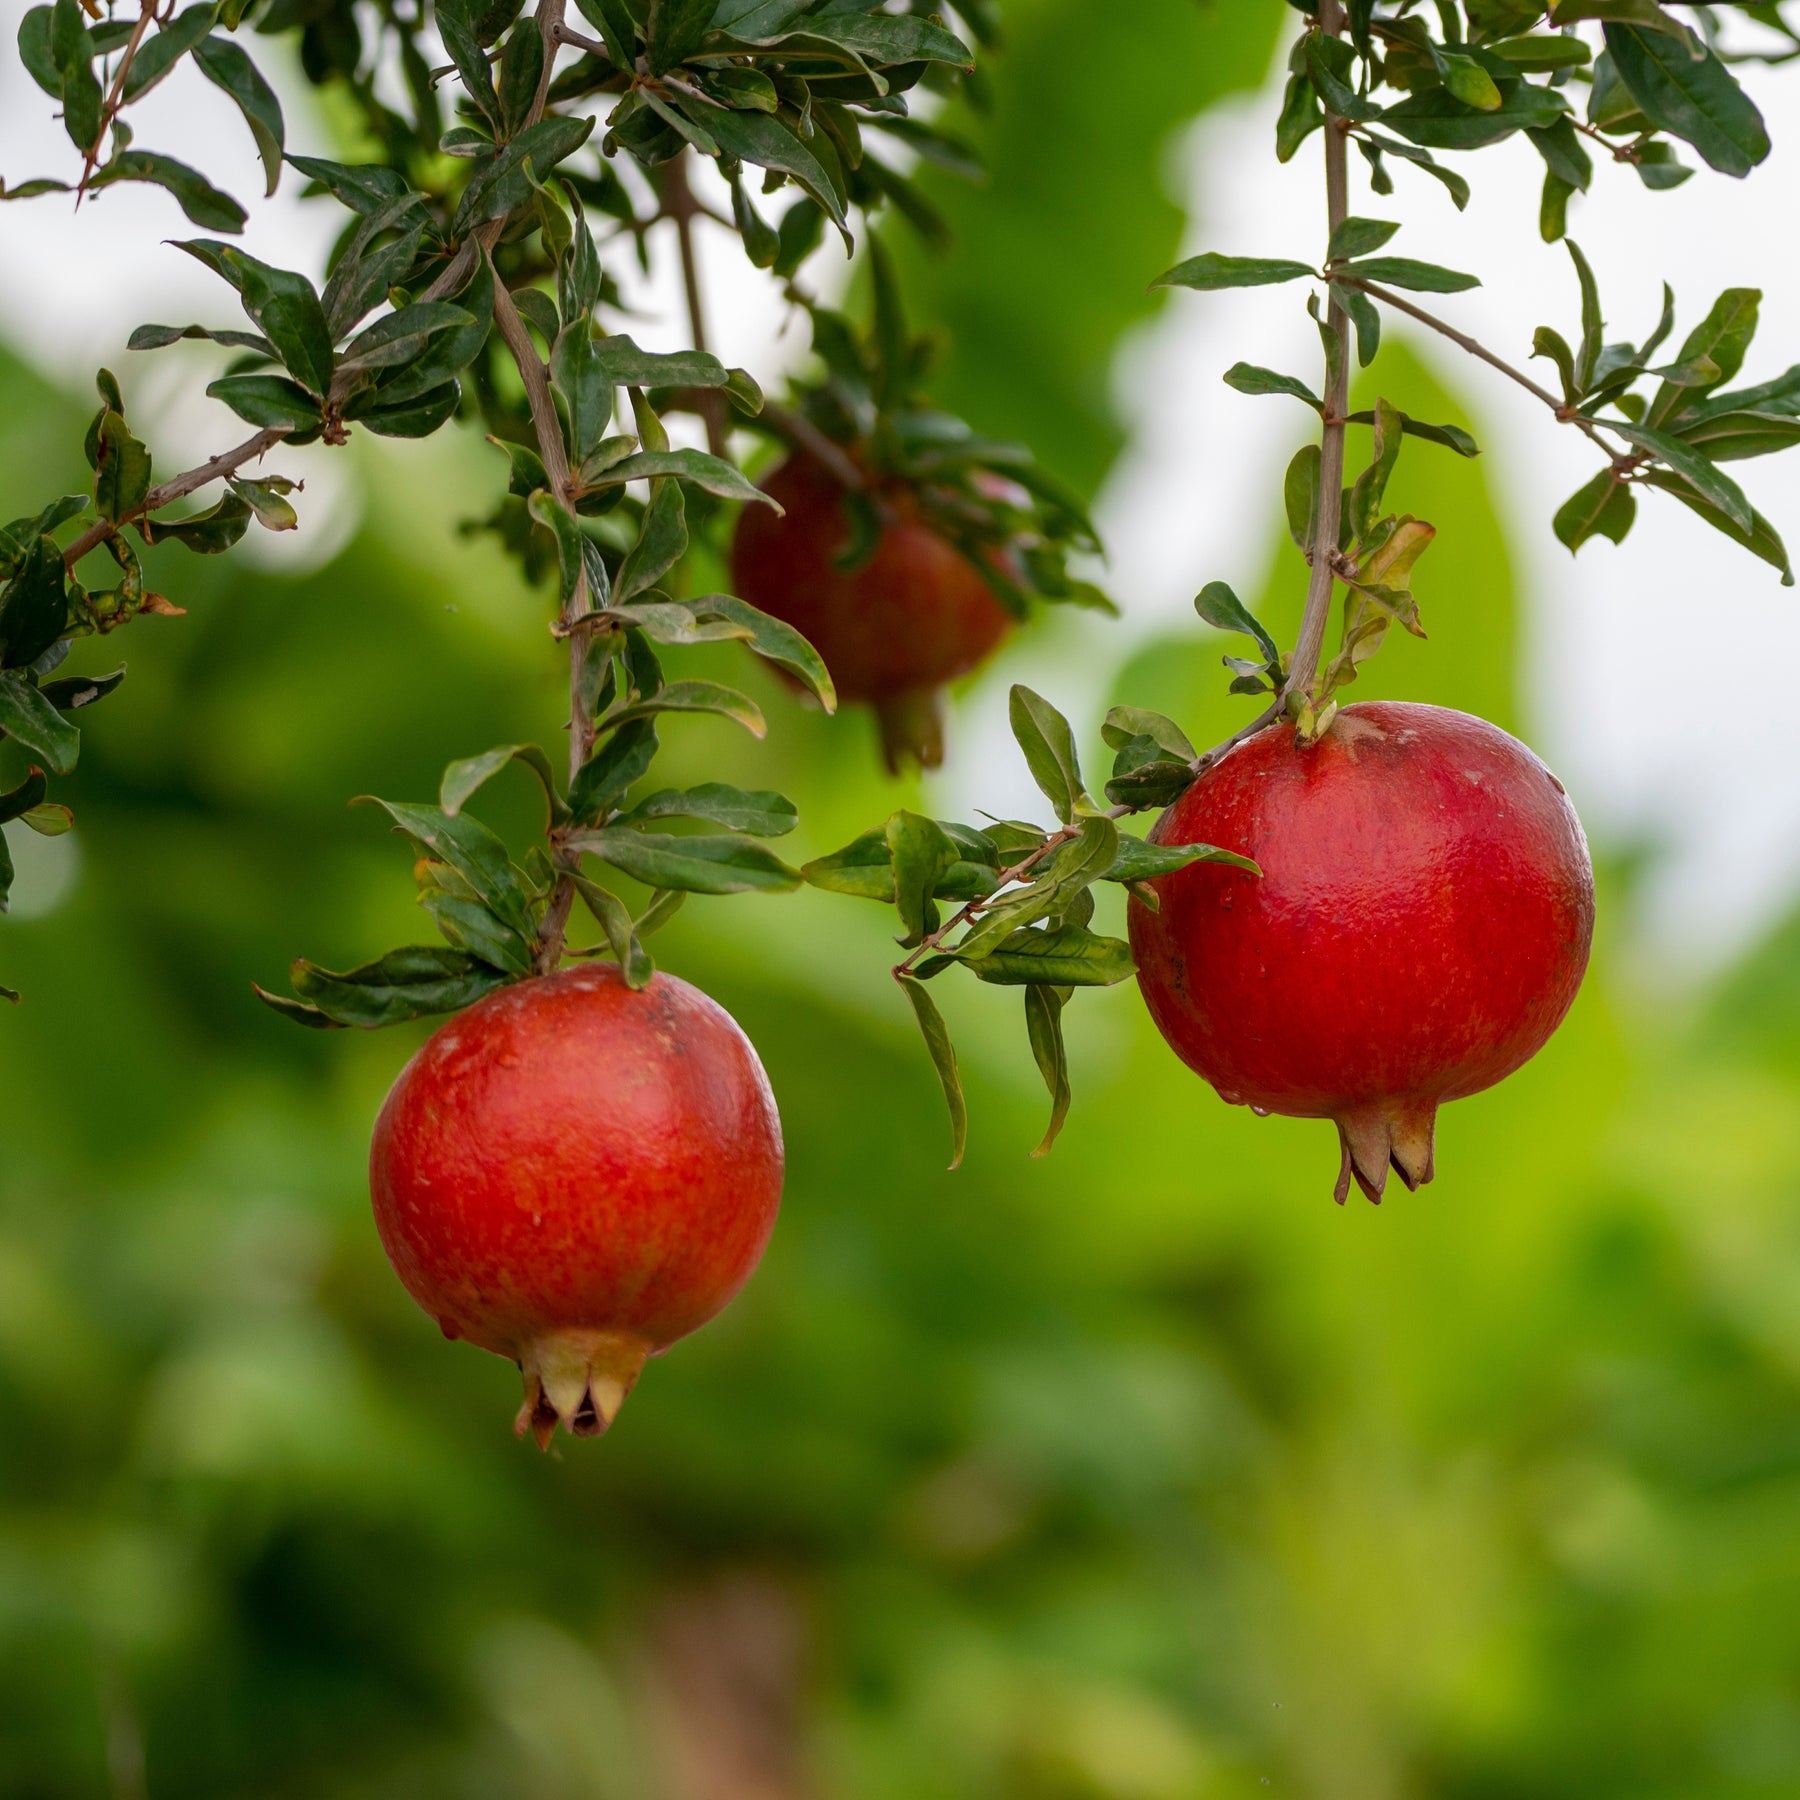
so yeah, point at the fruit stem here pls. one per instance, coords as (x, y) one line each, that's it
(1303, 666)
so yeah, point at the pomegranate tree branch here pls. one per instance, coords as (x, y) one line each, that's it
(679, 204)
(1568, 414)
(175, 487)
(1303, 667)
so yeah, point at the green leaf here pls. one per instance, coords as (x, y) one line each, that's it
(462, 779)
(920, 854)
(581, 377)
(468, 847)
(1210, 272)
(662, 538)
(283, 303)
(1722, 338)
(1450, 437)
(1604, 507)
(73, 49)
(456, 26)
(1696, 98)
(674, 31)
(1404, 272)
(697, 697)
(1737, 436)
(943, 1058)
(628, 366)
(28, 718)
(226, 66)
(401, 335)
(505, 184)
(1049, 746)
(159, 337)
(1371, 484)
(1300, 494)
(203, 203)
(863, 869)
(28, 794)
(1437, 120)
(159, 53)
(1124, 723)
(713, 473)
(205, 533)
(1328, 62)
(415, 418)
(774, 641)
(759, 812)
(1541, 54)
(412, 983)
(1224, 611)
(695, 865)
(1711, 484)
(34, 605)
(1139, 861)
(1247, 378)
(886, 38)
(1366, 317)
(1043, 1025)
(615, 920)
(761, 138)
(76, 691)
(1760, 538)
(605, 778)
(269, 400)
(122, 472)
(1071, 956)
(1358, 237)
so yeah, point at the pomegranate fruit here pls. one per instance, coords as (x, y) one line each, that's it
(915, 615)
(574, 1175)
(1419, 929)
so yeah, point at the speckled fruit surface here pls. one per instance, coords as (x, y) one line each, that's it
(1419, 929)
(915, 615)
(575, 1175)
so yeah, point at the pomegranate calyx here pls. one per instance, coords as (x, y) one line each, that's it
(912, 729)
(1396, 1134)
(577, 1379)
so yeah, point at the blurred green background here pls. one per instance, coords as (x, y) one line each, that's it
(1140, 1473)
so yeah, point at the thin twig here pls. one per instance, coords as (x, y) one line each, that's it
(1568, 414)
(679, 204)
(1625, 153)
(934, 940)
(803, 434)
(115, 95)
(175, 487)
(1303, 668)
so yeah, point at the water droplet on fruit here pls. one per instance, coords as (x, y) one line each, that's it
(448, 1328)
(1262, 1112)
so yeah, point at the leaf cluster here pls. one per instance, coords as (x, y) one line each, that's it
(1022, 894)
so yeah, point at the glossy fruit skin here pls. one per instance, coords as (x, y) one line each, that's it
(1420, 927)
(575, 1175)
(915, 615)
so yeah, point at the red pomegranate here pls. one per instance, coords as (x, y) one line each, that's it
(574, 1175)
(915, 615)
(1419, 929)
